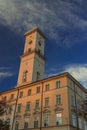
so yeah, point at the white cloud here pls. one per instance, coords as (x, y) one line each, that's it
(5, 72)
(79, 72)
(52, 17)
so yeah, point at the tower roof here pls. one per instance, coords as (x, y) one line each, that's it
(33, 30)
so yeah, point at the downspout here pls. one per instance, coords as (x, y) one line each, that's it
(76, 108)
(15, 110)
(41, 107)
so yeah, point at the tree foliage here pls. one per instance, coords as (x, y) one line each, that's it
(3, 124)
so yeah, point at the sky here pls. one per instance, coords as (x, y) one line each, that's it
(63, 22)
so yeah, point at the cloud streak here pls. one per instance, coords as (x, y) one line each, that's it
(62, 21)
(5, 72)
(78, 71)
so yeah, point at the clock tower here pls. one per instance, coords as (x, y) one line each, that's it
(32, 61)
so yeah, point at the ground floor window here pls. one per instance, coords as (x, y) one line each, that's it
(58, 118)
(85, 124)
(46, 120)
(74, 119)
(16, 125)
(25, 125)
(80, 122)
(36, 124)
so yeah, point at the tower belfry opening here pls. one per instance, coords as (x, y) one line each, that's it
(32, 61)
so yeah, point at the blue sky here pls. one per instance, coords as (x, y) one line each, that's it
(63, 22)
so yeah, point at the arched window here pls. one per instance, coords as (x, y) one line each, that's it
(25, 76)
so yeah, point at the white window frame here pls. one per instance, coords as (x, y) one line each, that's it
(19, 108)
(25, 125)
(58, 99)
(37, 104)
(58, 118)
(28, 106)
(47, 87)
(57, 84)
(74, 123)
(46, 120)
(46, 102)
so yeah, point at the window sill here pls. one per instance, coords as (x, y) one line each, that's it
(46, 106)
(37, 108)
(58, 105)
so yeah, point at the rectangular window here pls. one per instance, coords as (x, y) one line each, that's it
(73, 100)
(4, 98)
(36, 124)
(10, 110)
(37, 104)
(16, 126)
(46, 102)
(38, 75)
(78, 105)
(85, 124)
(38, 90)
(8, 120)
(71, 85)
(21, 95)
(12, 96)
(86, 98)
(46, 120)
(47, 87)
(57, 84)
(76, 89)
(58, 99)
(27, 106)
(24, 76)
(59, 119)
(80, 122)
(29, 92)
(25, 125)
(19, 108)
(29, 50)
(74, 119)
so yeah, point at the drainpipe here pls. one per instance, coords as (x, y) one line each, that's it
(15, 110)
(41, 108)
(76, 109)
